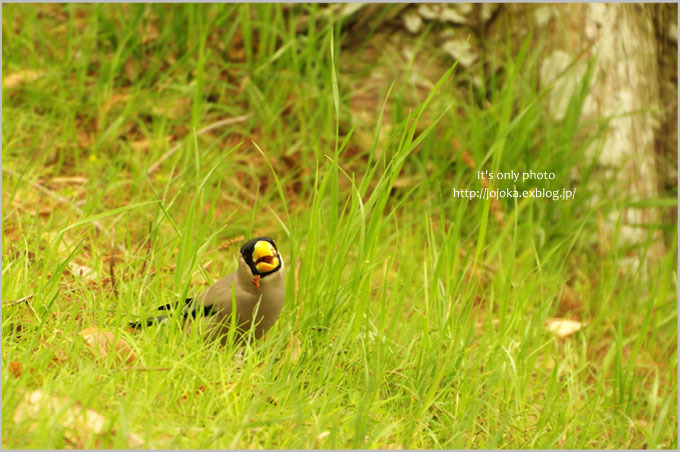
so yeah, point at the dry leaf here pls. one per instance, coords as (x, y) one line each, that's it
(134, 441)
(15, 369)
(148, 32)
(77, 422)
(19, 78)
(84, 422)
(130, 69)
(77, 180)
(59, 355)
(295, 348)
(85, 139)
(143, 145)
(82, 271)
(406, 181)
(140, 145)
(441, 13)
(65, 245)
(460, 50)
(563, 327)
(202, 388)
(549, 363)
(101, 342)
(569, 301)
(113, 100)
(467, 157)
(488, 9)
(172, 108)
(463, 8)
(320, 437)
(412, 22)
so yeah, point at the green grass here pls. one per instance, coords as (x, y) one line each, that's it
(420, 317)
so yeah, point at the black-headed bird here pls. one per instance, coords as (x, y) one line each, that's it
(256, 290)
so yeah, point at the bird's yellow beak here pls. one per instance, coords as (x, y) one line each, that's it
(265, 257)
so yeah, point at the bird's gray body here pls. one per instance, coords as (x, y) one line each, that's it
(255, 307)
(254, 293)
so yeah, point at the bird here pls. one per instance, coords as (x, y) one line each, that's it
(258, 288)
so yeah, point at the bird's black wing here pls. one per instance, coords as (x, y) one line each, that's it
(190, 310)
(175, 305)
(148, 322)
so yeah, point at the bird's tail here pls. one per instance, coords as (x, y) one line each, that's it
(148, 322)
(161, 318)
(158, 319)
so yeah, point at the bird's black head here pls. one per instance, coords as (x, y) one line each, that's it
(261, 255)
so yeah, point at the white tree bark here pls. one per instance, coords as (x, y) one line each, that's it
(627, 85)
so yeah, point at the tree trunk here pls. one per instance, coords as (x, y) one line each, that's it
(635, 79)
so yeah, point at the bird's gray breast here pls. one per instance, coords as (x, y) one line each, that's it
(273, 289)
(254, 307)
